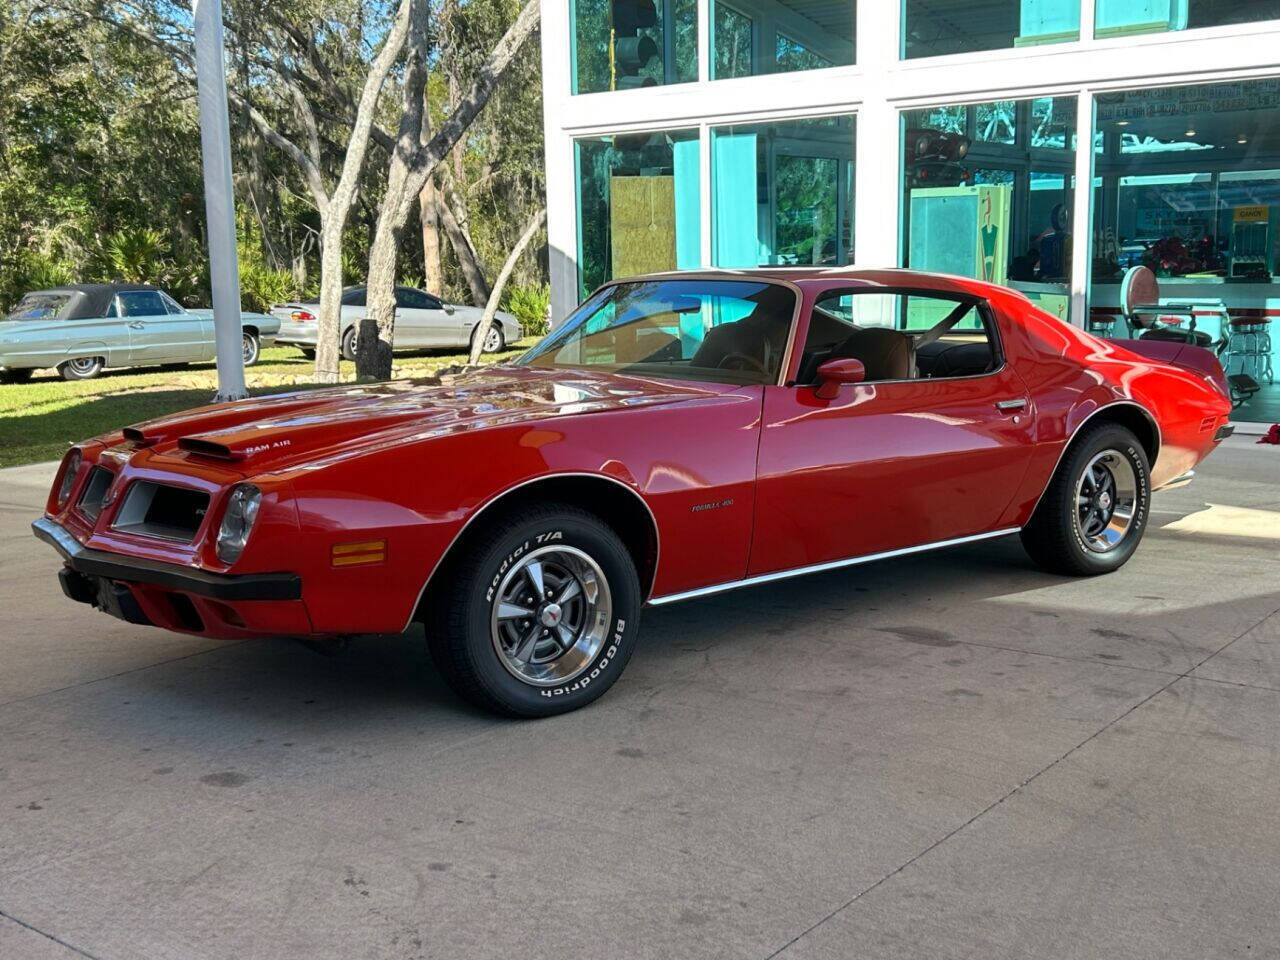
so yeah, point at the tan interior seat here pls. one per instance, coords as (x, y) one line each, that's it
(887, 354)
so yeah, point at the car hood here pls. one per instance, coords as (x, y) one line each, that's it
(273, 433)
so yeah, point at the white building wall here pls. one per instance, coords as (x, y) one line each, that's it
(877, 89)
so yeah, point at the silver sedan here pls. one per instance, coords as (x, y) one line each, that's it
(422, 321)
(84, 328)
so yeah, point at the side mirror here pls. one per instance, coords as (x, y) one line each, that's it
(448, 308)
(835, 372)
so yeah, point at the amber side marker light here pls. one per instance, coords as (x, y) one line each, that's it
(354, 554)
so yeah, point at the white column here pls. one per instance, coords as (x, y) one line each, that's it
(219, 199)
(878, 176)
(1081, 222)
(562, 199)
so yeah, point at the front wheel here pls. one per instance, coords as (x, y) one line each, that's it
(539, 615)
(250, 348)
(81, 368)
(1094, 511)
(308, 352)
(494, 341)
(348, 344)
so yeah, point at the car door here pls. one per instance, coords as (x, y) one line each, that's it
(894, 463)
(430, 325)
(157, 335)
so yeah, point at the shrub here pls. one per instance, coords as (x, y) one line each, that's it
(529, 305)
(30, 270)
(261, 287)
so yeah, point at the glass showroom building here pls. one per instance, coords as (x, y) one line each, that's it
(936, 134)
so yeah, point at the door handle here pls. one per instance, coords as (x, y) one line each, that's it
(136, 325)
(1005, 405)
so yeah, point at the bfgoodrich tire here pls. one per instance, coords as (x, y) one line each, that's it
(1095, 509)
(539, 615)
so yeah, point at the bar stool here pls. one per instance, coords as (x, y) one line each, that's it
(1102, 325)
(1250, 343)
(1159, 319)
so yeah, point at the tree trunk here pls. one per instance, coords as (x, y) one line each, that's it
(495, 297)
(464, 249)
(377, 327)
(415, 158)
(328, 325)
(431, 238)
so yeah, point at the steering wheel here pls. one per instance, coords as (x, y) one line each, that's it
(741, 361)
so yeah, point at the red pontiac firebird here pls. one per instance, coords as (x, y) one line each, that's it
(678, 435)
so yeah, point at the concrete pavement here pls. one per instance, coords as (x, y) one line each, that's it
(944, 756)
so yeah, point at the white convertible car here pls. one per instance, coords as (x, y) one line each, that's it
(83, 328)
(422, 321)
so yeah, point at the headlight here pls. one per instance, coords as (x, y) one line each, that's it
(68, 478)
(237, 521)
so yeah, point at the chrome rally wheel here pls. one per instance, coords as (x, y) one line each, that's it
(1094, 510)
(551, 615)
(1106, 500)
(536, 613)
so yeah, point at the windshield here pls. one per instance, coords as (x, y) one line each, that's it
(40, 306)
(723, 331)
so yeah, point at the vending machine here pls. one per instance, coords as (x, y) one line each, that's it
(1250, 253)
(961, 230)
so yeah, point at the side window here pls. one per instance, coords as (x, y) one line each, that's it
(900, 335)
(410, 299)
(113, 311)
(353, 297)
(141, 303)
(170, 304)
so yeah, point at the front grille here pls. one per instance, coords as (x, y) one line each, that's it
(156, 510)
(95, 489)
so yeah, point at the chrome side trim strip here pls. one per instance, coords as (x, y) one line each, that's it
(1177, 482)
(657, 532)
(832, 565)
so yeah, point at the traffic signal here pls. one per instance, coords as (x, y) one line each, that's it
(632, 52)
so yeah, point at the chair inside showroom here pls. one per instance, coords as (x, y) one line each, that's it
(1158, 319)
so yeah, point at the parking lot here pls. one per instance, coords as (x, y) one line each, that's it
(952, 755)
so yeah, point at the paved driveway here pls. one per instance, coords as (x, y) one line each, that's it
(947, 756)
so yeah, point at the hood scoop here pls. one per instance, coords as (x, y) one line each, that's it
(207, 448)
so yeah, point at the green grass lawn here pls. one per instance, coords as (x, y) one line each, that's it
(39, 419)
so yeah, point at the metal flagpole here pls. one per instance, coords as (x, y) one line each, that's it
(219, 200)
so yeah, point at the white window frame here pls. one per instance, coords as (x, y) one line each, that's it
(876, 90)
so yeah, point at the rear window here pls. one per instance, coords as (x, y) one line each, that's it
(40, 306)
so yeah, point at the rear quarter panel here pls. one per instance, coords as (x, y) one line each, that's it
(1071, 375)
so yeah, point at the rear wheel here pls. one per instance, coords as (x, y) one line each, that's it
(348, 345)
(81, 368)
(539, 615)
(308, 352)
(250, 347)
(1094, 511)
(15, 376)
